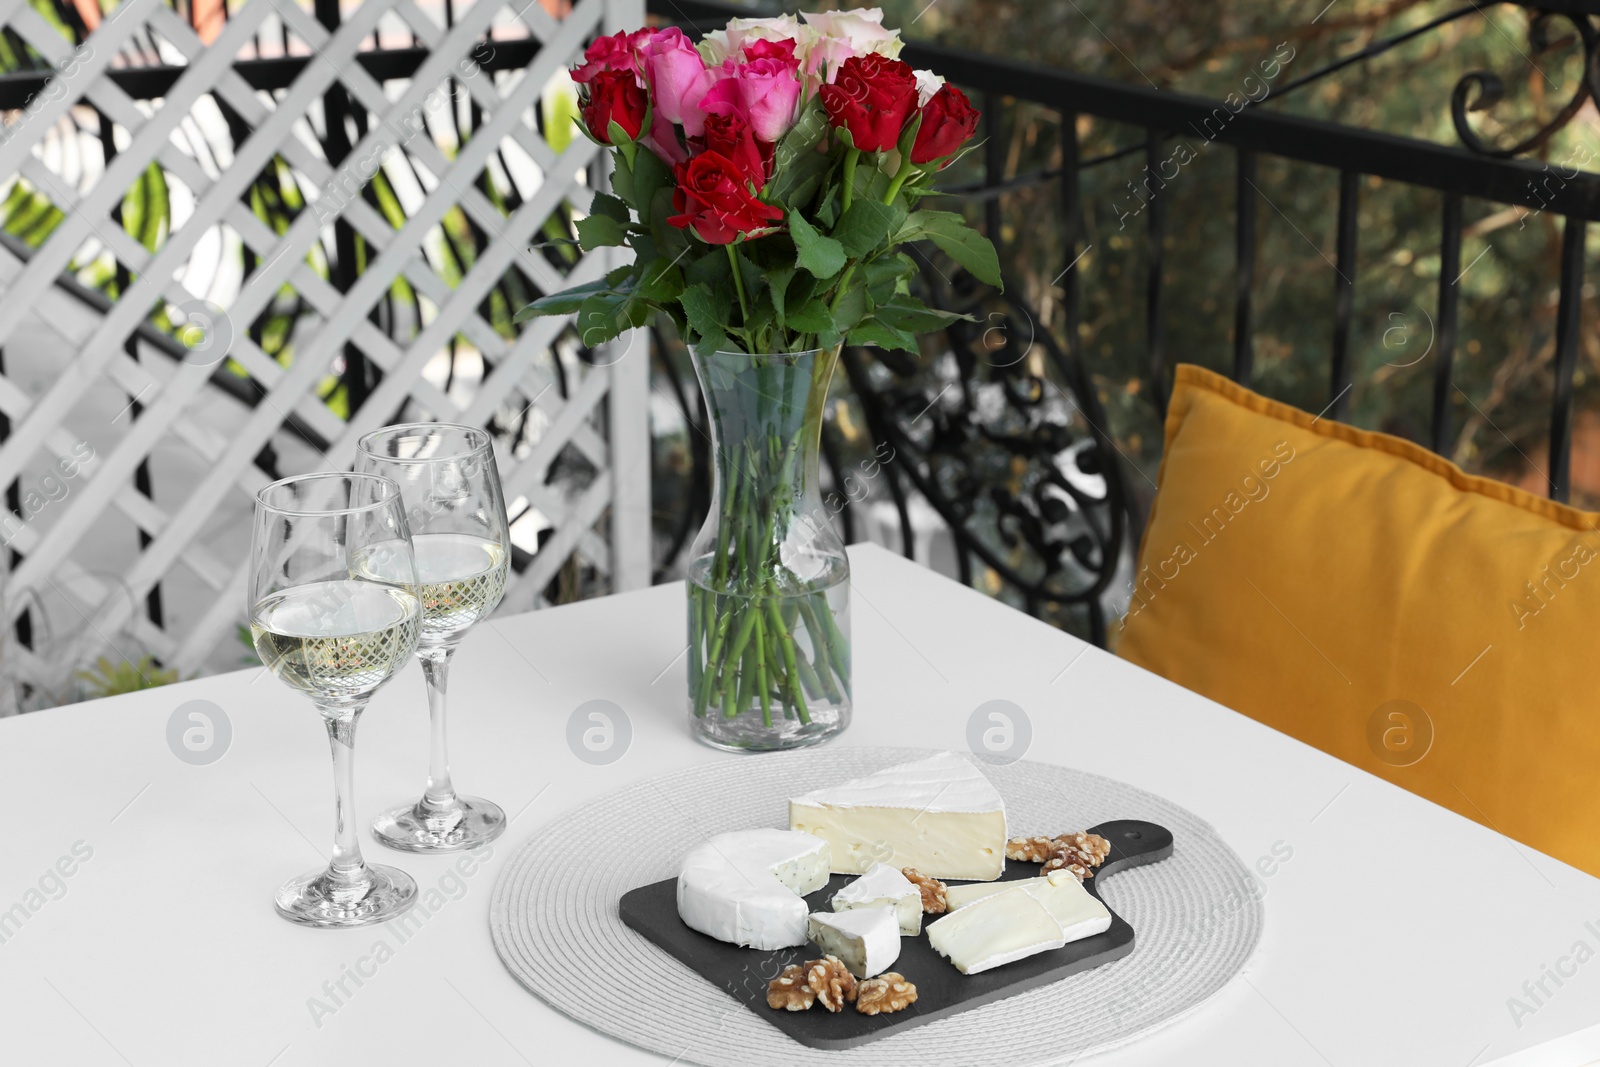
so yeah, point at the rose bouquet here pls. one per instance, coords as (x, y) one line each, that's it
(765, 181)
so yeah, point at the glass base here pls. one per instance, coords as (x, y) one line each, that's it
(747, 733)
(413, 828)
(314, 899)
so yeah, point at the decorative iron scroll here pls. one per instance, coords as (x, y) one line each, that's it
(1481, 90)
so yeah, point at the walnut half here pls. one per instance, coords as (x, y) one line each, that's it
(1030, 849)
(889, 992)
(831, 981)
(934, 901)
(789, 991)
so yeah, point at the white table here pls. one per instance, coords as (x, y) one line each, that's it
(1395, 934)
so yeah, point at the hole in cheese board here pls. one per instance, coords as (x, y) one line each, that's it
(942, 990)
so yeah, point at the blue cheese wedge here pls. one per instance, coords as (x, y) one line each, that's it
(884, 887)
(997, 930)
(939, 815)
(745, 887)
(866, 940)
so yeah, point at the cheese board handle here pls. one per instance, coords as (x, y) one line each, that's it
(1134, 843)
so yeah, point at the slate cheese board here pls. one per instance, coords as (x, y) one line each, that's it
(942, 990)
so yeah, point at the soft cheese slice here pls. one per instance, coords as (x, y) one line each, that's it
(1077, 910)
(939, 815)
(997, 930)
(866, 940)
(959, 896)
(884, 887)
(745, 887)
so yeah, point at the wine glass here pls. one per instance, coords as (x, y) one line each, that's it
(334, 613)
(457, 515)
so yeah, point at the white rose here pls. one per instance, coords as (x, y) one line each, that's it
(719, 45)
(714, 47)
(928, 86)
(862, 27)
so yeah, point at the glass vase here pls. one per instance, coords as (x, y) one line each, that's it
(768, 582)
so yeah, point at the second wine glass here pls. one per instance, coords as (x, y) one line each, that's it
(457, 514)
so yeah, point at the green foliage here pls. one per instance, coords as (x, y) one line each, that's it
(110, 679)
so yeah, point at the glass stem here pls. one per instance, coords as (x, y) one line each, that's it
(440, 796)
(346, 867)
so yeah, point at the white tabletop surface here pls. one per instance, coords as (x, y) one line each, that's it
(1397, 932)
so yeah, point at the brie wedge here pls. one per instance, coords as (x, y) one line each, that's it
(866, 940)
(997, 930)
(884, 887)
(939, 815)
(745, 887)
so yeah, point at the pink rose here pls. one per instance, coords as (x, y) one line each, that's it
(663, 140)
(620, 51)
(678, 79)
(763, 92)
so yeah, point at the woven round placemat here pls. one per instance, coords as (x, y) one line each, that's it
(1197, 917)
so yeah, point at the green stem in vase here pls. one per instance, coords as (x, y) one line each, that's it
(786, 646)
(761, 667)
(827, 661)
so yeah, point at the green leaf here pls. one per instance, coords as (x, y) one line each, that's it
(798, 167)
(778, 282)
(710, 270)
(606, 315)
(600, 231)
(754, 278)
(661, 282)
(811, 317)
(913, 316)
(866, 227)
(668, 238)
(822, 256)
(851, 306)
(611, 207)
(887, 275)
(565, 302)
(706, 312)
(873, 332)
(955, 239)
(649, 174)
(622, 182)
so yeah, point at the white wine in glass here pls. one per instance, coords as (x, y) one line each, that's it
(457, 516)
(335, 632)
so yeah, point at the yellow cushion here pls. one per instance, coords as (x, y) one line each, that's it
(1310, 575)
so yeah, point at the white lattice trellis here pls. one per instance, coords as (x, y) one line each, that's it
(592, 411)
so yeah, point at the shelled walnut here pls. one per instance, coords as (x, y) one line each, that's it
(831, 981)
(934, 901)
(1079, 852)
(1093, 846)
(1030, 849)
(889, 992)
(789, 991)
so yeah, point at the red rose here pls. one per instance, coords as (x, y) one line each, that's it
(871, 97)
(782, 51)
(620, 51)
(714, 199)
(614, 96)
(733, 138)
(948, 121)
